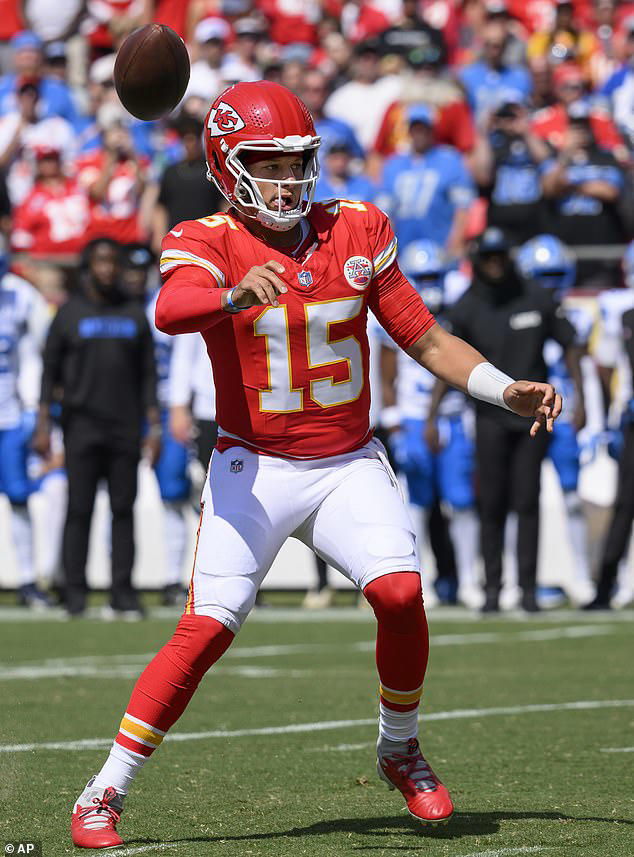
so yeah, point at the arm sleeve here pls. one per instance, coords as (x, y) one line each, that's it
(393, 300)
(191, 297)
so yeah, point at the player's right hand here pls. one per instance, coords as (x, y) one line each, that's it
(260, 286)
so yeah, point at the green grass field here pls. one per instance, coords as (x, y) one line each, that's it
(529, 723)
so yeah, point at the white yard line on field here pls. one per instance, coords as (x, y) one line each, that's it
(129, 666)
(141, 849)
(501, 852)
(326, 725)
(70, 670)
(617, 749)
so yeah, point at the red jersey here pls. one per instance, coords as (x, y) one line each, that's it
(551, 124)
(292, 380)
(52, 221)
(117, 214)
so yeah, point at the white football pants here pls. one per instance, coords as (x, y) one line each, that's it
(347, 508)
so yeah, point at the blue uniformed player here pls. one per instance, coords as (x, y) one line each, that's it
(548, 262)
(171, 467)
(23, 323)
(438, 460)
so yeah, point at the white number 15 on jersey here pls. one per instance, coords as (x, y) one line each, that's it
(322, 350)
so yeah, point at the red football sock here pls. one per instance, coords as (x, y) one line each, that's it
(402, 639)
(165, 687)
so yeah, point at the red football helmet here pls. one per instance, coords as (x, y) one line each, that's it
(260, 117)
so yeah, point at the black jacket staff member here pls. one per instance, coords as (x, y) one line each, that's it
(509, 320)
(99, 356)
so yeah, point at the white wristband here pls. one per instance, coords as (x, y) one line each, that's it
(488, 384)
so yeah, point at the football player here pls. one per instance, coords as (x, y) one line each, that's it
(280, 289)
(23, 321)
(544, 260)
(444, 467)
(614, 353)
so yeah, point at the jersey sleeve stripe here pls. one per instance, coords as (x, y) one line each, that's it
(386, 257)
(173, 258)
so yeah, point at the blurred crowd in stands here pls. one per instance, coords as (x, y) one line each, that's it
(452, 116)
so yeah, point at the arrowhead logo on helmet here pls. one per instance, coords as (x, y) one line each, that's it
(224, 119)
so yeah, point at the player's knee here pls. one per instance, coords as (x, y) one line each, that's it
(122, 509)
(397, 600)
(197, 643)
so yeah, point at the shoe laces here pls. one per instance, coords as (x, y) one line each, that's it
(414, 767)
(101, 814)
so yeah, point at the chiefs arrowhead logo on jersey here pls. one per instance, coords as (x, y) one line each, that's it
(358, 272)
(224, 119)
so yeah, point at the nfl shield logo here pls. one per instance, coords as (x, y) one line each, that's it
(236, 465)
(305, 279)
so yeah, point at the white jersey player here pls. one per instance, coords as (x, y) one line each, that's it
(23, 323)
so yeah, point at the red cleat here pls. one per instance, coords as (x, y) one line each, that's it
(402, 766)
(95, 818)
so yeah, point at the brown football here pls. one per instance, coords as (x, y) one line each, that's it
(151, 71)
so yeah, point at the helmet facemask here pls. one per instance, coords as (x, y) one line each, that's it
(247, 196)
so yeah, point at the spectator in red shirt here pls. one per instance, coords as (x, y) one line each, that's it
(53, 219)
(50, 227)
(551, 123)
(114, 177)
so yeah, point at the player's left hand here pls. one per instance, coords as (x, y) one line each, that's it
(534, 399)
